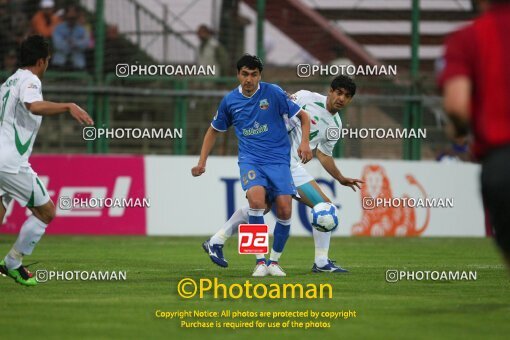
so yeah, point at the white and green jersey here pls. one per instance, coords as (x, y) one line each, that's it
(320, 120)
(18, 126)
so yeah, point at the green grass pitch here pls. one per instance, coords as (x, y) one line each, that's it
(126, 309)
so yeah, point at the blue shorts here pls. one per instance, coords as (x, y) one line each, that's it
(276, 178)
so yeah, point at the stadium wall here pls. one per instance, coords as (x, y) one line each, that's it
(183, 205)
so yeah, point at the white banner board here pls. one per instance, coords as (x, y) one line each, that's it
(436, 199)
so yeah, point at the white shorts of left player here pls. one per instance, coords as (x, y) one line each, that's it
(21, 187)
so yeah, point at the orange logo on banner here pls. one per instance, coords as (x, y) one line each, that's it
(387, 221)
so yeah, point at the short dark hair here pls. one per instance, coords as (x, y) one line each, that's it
(33, 48)
(344, 82)
(250, 61)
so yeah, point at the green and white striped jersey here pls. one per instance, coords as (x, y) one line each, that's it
(18, 126)
(320, 120)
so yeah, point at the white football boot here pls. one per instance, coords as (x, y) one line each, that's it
(274, 269)
(260, 269)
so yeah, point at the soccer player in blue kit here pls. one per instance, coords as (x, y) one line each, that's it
(323, 111)
(258, 112)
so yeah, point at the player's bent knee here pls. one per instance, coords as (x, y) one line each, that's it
(2, 211)
(50, 212)
(284, 213)
(286, 216)
(257, 203)
(46, 213)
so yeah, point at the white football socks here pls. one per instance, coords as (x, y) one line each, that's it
(13, 259)
(321, 241)
(260, 257)
(31, 232)
(275, 256)
(240, 216)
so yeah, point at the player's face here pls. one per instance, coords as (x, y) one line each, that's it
(249, 80)
(338, 99)
(46, 63)
(43, 65)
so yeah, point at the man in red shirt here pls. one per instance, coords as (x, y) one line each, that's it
(476, 88)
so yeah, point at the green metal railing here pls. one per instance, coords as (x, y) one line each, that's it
(413, 117)
(181, 91)
(99, 88)
(178, 88)
(180, 106)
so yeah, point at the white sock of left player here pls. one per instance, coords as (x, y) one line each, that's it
(240, 216)
(31, 232)
(13, 259)
(321, 241)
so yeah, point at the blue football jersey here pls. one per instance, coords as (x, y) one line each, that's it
(259, 123)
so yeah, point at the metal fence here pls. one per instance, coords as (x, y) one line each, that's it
(190, 104)
(129, 31)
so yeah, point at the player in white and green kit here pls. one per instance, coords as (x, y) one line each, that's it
(323, 111)
(21, 110)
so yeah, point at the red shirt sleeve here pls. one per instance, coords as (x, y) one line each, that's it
(458, 56)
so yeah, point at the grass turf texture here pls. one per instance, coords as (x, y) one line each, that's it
(154, 265)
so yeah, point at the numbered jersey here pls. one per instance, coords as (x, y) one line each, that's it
(18, 126)
(320, 120)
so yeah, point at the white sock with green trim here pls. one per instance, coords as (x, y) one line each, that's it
(240, 216)
(13, 259)
(29, 235)
(321, 241)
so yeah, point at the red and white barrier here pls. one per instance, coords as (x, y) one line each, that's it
(183, 205)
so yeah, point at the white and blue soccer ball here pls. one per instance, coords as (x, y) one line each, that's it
(324, 217)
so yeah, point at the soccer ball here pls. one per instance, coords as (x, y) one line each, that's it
(324, 217)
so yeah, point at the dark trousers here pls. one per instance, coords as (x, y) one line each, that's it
(496, 194)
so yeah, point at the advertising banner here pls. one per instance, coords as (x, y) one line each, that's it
(399, 198)
(92, 195)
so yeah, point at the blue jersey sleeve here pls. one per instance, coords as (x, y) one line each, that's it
(222, 120)
(287, 106)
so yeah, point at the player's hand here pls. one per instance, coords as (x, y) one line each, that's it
(80, 114)
(304, 153)
(197, 170)
(353, 183)
(291, 96)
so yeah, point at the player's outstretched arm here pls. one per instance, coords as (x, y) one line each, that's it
(45, 108)
(304, 152)
(207, 145)
(328, 163)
